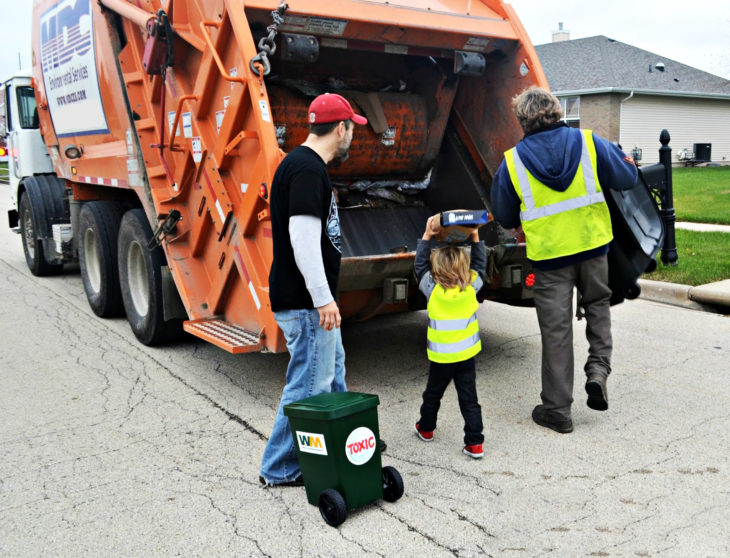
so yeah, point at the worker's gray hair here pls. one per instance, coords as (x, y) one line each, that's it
(536, 109)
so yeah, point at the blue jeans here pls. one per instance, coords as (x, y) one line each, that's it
(316, 365)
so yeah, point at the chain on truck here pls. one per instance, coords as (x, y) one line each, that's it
(163, 126)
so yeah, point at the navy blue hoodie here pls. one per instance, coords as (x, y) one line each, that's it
(552, 156)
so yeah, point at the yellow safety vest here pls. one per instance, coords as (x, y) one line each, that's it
(453, 329)
(558, 224)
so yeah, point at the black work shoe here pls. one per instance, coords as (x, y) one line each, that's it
(299, 481)
(552, 420)
(597, 393)
(382, 446)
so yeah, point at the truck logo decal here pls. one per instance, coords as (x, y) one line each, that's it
(68, 62)
(311, 443)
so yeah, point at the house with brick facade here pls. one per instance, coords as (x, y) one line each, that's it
(628, 95)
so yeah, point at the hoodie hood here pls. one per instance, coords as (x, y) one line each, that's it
(552, 156)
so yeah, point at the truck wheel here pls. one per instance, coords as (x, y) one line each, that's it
(30, 217)
(98, 231)
(332, 506)
(140, 279)
(392, 484)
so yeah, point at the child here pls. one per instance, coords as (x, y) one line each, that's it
(453, 331)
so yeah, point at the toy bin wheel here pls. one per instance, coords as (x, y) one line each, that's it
(392, 484)
(632, 291)
(332, 506)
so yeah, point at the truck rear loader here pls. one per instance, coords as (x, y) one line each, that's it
(165, 122)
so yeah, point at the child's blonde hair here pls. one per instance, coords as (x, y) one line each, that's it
(450, 267)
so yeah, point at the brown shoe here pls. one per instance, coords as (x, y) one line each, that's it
(552, 420)
(597, 393)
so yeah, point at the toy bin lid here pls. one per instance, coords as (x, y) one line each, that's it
(329, 406)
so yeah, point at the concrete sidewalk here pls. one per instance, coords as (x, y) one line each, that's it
(712, 297)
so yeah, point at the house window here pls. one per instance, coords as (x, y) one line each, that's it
(571, 111)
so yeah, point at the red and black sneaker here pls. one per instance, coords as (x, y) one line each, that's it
(474, 451)
(424, 435)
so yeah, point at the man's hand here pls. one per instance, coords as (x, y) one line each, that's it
(329, 316)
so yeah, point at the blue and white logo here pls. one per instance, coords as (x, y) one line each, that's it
(68, 61)
(64, 32)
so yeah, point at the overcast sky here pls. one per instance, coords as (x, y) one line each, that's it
(694, 32)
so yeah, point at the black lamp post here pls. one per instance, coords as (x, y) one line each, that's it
(669, 250)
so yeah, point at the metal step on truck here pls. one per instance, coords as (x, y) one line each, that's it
(164, 122)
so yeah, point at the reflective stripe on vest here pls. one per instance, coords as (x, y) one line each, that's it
(457, 347)
(558, 224)
(451, 325)
(530, 213)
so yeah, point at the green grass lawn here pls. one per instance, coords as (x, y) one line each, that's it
(702, 194)
(702, 257)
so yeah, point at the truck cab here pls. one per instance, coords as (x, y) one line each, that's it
(19, 127)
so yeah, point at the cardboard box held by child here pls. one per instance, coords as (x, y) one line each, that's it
(455, 226)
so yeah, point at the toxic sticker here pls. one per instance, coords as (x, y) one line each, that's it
(360, 445)
(311, 443)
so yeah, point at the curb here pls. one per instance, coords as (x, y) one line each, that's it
(674, 294)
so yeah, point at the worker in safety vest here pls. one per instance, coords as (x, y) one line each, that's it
(552, 185)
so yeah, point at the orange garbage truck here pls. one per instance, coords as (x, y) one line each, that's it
(165, 121)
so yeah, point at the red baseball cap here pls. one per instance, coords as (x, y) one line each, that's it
(331, 107)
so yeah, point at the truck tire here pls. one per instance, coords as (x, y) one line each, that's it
(30, 216)
(140, 279)
(98, 231)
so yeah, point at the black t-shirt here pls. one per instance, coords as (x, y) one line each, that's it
(301, 187)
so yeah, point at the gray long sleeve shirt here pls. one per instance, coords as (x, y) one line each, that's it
(422, 265)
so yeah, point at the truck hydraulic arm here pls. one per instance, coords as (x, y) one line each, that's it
(128, 11)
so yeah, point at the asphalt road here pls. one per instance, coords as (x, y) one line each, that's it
(110, 448)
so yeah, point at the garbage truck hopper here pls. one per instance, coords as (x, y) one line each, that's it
(180, 112)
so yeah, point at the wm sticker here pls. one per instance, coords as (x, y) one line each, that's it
(311, 443)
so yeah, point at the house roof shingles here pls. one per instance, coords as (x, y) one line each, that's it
(600, 64)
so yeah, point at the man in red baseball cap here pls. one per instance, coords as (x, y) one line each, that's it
(303, 279)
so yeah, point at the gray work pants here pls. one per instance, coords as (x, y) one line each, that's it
(553, 292)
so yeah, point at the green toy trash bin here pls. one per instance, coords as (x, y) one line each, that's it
(336, 435)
